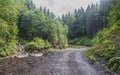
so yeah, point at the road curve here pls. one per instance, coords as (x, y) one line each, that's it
(69, 62)
(73, 62)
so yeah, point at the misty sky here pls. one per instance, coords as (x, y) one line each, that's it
(59, 7)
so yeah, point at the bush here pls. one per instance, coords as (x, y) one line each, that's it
(31, 46)
(7, 38)
(114, 64)
(47, 44)
(118, 23)
(105, 50)
(5, 51)
(101, 36)
(90, 54)
(37, 44)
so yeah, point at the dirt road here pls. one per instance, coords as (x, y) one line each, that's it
(70, 62)
(74, 63)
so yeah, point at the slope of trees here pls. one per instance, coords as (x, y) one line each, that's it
(106, 48)
(34, 23)
(8, 27)
(86, 24)
(20, 20)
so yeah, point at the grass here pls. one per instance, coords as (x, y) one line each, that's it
(69, 47)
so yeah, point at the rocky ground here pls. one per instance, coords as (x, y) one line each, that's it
(69, 62)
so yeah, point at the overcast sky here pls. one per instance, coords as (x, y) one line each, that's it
(59, 7)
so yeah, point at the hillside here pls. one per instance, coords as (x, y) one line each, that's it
(106, 45)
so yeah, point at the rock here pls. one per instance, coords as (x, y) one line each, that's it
(36, 55)
(22, 55)
(10, 74)
(48, 54)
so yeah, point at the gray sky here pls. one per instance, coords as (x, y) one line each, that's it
(59, 7)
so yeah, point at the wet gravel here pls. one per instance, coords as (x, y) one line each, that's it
(70, 62)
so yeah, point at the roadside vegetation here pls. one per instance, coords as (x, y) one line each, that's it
(37, 44)
(35, 28)
(106, 45)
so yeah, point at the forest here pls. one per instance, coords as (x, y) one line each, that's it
(38, 29)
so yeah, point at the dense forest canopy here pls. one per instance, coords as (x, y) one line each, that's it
(87, 23)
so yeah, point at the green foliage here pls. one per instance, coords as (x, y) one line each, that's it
(34, 23)
(90, 54)
(115, 29)
(7, 38)
(114, 64)
(69, 19)
(37, 44)
(4, 30)
(6, 50)
(29, 24)
(9, 11)
(101, 36)
(31, 46)
(106, 47)
(47, 44)
(104, 42)
(115, 12)
(87, 23)
(118, 23)
(81, 41)
(105, 50)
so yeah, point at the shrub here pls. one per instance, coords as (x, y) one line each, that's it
(7, 38)
(90, 54)
(101, 36)
(4, 51)
(31, 46)
(114, 64)
(47, 44)
(118, 23)
(40, 43)
(37, 44)
(105, 50)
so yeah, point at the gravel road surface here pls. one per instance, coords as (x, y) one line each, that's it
(69, 62)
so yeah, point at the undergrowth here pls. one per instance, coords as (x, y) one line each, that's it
(106, 48)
